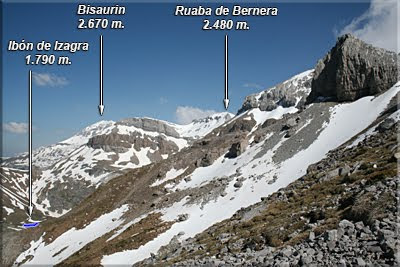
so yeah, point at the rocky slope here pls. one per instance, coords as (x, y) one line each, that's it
(243, 193)
(343, 212)
(290, 93)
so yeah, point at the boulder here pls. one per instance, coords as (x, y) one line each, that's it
(208, 158)
(345, 224)
(183, 217)
(311, 236)
(344, 170)
(157, 193)
(238, 184)
(237, 148)
(290, 123)
(386, 125)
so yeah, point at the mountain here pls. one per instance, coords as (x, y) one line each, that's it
(44, 157)
(294, 170)
(345, 214)
(67, 172)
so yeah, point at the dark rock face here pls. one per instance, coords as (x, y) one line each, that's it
(208, 158)
(237, 148)
(353, 69)
(288, 101)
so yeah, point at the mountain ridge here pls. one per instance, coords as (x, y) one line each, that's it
(101, 151)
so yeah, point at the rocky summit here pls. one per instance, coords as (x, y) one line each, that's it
(353, 69)
(304, 175)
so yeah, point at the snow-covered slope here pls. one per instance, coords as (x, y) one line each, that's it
(256, 174)
(277, 154)
(201, 127)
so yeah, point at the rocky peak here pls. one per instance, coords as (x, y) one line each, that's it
(287, 94)
(353, 69)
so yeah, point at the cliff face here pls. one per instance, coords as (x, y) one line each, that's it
(152, 125)
(353, 69)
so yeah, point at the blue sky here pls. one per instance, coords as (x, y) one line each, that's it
(158, 63)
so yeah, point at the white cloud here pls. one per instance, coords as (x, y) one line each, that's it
(49, 79)
(16, 127)
(253, 86)
(378, 25)
(185, 114)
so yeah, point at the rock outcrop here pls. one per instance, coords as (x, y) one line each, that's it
(287, 94)
(121, 143)
(351, 70)
(151, 125)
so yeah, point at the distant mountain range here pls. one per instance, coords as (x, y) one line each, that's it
(68, 171)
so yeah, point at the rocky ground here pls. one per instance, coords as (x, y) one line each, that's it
(342, 213)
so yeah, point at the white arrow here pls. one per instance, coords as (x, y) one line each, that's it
(30, 207)
(226, 98)
(101, 106)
